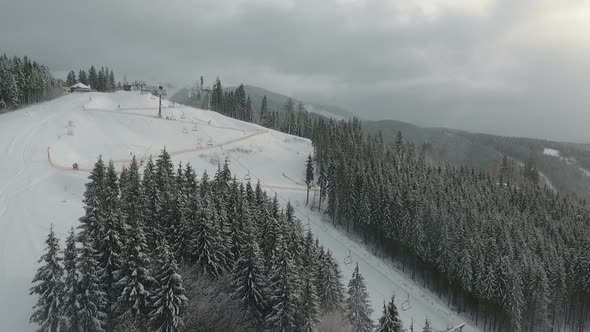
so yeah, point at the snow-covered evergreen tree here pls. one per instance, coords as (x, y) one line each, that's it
(169, 298)
(71, 78)
(284, 292)
(390, 321)
(92, 222)
(48, 285)
(151, 224)
(90, 295)
(309, 175)
(110, 247)
(331, 290)
(309, 308)
(207, 246)
(248, 278)
(134, 278)
(69, 314)
(358, 308)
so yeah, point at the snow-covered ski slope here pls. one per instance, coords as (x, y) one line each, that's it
(39, 144)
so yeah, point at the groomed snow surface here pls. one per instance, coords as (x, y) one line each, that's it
(38, 187)
(551, 152)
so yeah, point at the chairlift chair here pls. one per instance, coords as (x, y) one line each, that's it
(75, 166)
(210, 142)
(184, 130)
(182, 116)
(70, 132)
(406, 304)
(195, 128)
(348, 259)
(247, 176)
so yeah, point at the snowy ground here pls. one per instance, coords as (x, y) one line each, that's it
(551, 152)
(39, 144)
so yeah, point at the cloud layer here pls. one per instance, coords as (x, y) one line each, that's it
(508, 67)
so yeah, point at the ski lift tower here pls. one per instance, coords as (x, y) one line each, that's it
(160, 91)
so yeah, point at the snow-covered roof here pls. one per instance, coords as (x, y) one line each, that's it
(80, 86)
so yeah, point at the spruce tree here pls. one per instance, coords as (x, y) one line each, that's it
(112, 80)
(69, 314)
(71, 78)
(169, 297)
(264, 112)
(309, 172)
(331, 290)
(217, 96)
(90, 296)
(110, 248)
(309, 308)
(93, 78)
(48, 285)
(151, 221)
(207, 244)
(358, 308)
(284, 292)
(93, 220)
(248, 278)
(82, 77)
(135, 279)
(390, 321)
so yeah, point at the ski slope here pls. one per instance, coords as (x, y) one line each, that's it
(38, 186)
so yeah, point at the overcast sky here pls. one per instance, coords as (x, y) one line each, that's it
(514, 67)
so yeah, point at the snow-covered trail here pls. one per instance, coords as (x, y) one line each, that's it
(27, 205)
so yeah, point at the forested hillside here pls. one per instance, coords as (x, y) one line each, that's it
(167, 251)
(23, 81)
(514, 257)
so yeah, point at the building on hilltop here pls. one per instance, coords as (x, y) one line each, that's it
(79, 87)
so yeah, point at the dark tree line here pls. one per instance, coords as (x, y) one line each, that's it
(235, 104)
(23, 81)
(121, 269)
(99, 80)
(515, 257)
(293, 119)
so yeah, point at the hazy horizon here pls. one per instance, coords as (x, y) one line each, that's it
(502, 67)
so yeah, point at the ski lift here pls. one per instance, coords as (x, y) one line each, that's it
(195, 128)
(457, 328)
(75, 166)
(406, 304)
(210, 142)
(182, 116)
(199, 145)
(184, 130)
(247, 176)
(348, 259)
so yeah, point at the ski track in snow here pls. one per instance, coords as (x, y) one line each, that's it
(36, 189)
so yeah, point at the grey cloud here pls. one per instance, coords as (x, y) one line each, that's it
(476, 69)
